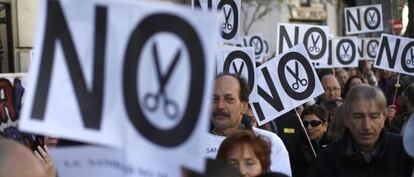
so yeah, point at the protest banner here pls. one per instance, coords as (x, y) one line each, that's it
(238, 60)
(229, 11)
(289, 77)
(314, 38)
(396, 54)
(344, 52)
(102, 80)
(255, 41)
(368, 48)
(363, 19)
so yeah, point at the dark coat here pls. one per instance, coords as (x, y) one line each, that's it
(343, 159)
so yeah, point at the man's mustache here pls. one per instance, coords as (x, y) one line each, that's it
(221, 113)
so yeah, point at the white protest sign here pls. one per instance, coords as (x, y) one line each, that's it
(255, 41)
(314, 38)
(289, 77)
(229, 11)
(368, 48)
(128, 83)
(363, 19)
(396, 54)
(83, 161)
(238, 60)
(344, 52)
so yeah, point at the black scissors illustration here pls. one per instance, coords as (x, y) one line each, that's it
(372, 21)
(152, 100)
(238, 72)
(315, 42)
(226, 24)
(372, 48)
(410, 61)
(295, 74)
(345, 55)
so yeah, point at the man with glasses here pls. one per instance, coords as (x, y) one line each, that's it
(366, 149)
(331, 98)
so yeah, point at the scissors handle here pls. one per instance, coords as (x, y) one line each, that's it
(151, 101)
(303, 82)
(170, 108)
(229, 26)
(295, 85)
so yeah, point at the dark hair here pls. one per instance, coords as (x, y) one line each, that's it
(347, 85)
(242, 139)
(244, 89)
(272, 174)
(320, 112)
(409, 95)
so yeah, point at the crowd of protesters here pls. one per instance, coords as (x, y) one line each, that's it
(353, 129)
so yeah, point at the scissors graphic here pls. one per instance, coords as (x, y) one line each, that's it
(410, 61)
(226, 24)
(238, 72)
(314, 42)
(295, 74)
(372, 21)
(372, 47)
(345, 55)
(152, 100)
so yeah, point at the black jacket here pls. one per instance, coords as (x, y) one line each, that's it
(343, 159)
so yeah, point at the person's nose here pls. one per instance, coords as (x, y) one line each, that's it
(243, 171)
(366, 123)
(220, 104)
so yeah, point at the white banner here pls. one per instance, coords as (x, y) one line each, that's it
(396, 54)
(363, 19)
(86, 161)
(289, 77)
(344, 52)
(314, 38)
(368, 48)
(229, 11)
(129, 83)
(238, 60)
(255, 41)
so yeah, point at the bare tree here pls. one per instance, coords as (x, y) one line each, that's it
(255, 10)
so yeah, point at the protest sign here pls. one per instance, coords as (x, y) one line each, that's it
(229, 11)
(128, 83)
(238, 60)
(363, 19)
(289, 77)
(255, 41)
(344, 52)
(314, 38)
(396, 54)
(368, 48)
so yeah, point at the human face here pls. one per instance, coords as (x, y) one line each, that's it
(332, 89)
(315, 133)
(227, 107)
(342, 77)
(243, 158)
(365, 122)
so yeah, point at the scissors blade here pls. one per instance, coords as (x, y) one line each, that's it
(228, 14)
(167, 76)
(157, 62)
(295, 75)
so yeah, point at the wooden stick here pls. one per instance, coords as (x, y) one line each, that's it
(397, 85)
(306, 133)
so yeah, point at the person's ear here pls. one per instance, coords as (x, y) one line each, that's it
(244, 107)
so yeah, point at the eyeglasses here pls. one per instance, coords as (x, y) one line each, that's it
(313, 123)
(335, 89)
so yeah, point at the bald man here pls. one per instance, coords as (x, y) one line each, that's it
(331, 98)
(18, 161)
